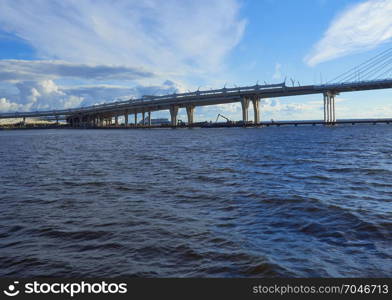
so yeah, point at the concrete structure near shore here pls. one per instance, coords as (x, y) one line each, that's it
(108, 114)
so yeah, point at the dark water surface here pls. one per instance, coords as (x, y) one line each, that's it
(305, 201)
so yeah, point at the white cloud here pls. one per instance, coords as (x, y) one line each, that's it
(114, 49)
(46, 94)
(230, 107)
(6, 105)
(359, 28)
(276, 105)
(173, 36)
(278, 71)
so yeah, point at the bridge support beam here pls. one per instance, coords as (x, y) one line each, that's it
(116, 120)
(144, 118)
(135, 118)
(245, 106)
(329, 108)
(190, 109)
(256, 109)
(149, 118)
(173, 114)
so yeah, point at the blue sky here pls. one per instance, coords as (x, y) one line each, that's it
(63, 54)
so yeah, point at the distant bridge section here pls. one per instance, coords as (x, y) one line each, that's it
(104, 114)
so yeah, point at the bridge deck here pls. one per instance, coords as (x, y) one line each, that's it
(201, 98)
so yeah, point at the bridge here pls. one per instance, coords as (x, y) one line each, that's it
(361, 78)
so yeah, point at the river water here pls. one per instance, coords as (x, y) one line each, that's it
(231, 202)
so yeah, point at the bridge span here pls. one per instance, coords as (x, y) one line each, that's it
(104, 114)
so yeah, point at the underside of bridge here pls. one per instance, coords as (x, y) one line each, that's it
(112, 119)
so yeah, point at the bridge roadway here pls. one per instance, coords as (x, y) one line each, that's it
(103, 114)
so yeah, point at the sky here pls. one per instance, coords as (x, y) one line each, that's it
(58, 54)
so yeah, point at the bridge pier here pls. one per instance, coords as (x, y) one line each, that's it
(149, 118)
(190, 109)
(173, 114)
(329, 108)
(256, 109)
(116, 120)
(135, 118)
(126, 119)
(245, 106)
(143, 118)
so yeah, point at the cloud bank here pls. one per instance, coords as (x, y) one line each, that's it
(46, 95)
(359, 28)
(22, 70)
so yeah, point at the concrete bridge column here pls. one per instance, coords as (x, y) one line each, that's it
(329, 108)
(144, 118)
(245, 106)
(101, 121)
(190, 109)
(333, 108)
(24, 121)
(126, 118)
(116, 120)
(173, 114)
(135, 118)
(256, 109)
(325, 107)
(149, 118)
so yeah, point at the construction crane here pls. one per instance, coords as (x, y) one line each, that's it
(219, 115)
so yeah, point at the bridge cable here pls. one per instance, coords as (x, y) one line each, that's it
(373, 65)
(371, 71)
(355, 71)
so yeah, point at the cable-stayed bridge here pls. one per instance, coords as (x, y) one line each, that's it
(373, 74)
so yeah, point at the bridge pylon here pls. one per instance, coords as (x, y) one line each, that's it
(190, 109)
(173, 114)
(329, 107)
(126, 114)
(245, 106)
(256, 109)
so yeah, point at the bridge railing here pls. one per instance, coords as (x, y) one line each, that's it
(120, 104)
